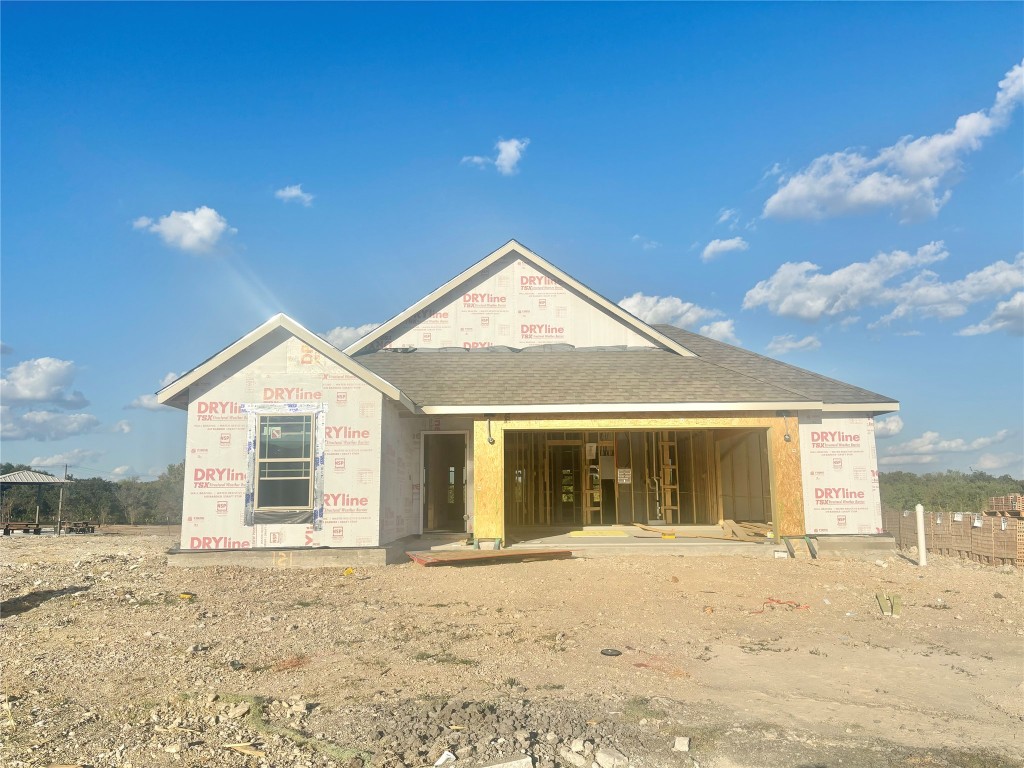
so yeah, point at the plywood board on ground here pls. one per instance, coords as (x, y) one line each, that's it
(723, 534)
(483, 557)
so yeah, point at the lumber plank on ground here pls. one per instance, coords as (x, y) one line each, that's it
(730, 526)
(682, 533)
(763, 529)
(477, 556)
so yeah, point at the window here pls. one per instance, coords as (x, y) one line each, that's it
(284, 464)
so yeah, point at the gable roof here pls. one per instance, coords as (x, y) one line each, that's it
(176, 393)
(516, 249)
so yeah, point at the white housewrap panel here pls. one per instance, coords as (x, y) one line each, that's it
(515, 306)
(400, 465)
(840, 474)
(216, 464)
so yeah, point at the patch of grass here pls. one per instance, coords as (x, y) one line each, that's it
(512, 682)
(258, 723)
(444, 658)
(552, 687)
(304, 603)
(640, 708)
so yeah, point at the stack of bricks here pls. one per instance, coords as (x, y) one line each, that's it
(945, 534)
(1012, 504)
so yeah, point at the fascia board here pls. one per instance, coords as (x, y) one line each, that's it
(861, 407)
(513, 246)
(618, 408)
(180, 385)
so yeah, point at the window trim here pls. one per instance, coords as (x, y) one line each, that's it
(319, 413)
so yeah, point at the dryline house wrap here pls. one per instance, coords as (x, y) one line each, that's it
(513, 396)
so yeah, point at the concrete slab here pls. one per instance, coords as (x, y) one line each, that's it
(855, 546)
(321, 557)
(641, 544)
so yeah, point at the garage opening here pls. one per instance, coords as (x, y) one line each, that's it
(664, 477)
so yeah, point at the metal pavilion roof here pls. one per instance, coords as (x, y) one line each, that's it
(25, 477)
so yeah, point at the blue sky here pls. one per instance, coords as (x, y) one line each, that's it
(840, 186)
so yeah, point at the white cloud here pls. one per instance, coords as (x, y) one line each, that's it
(799, 289)
(729, 216)
(890, 460)
(43, 380)
(344, 335)
(932, 443)
(888, 427)
(993, 461)
(646, 244)
(125, 470)
(477, 160)
(1007, 316)
(197, 231)
(718, 247)
(668, 309)
(907, 176)
(780, 345)
(72, 458)
(5, 349)
(148, 401)
(145, 402)
(510, 152)
(926, 295)
(123, 427)
(44, 425)
(294, 193)
(720, 330)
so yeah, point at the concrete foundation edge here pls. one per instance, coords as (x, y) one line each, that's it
(279, 558)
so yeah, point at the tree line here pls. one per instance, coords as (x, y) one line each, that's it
(129, 501)
(136, 502)
(949, 491)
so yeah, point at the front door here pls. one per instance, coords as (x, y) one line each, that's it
(444, 474)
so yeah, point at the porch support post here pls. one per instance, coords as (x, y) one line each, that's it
(784, 460)
(489, 478)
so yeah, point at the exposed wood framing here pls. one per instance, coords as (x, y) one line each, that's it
(696, 467)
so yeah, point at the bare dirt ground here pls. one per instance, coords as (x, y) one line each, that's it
(104, 663)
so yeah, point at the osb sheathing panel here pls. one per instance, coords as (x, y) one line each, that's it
(784, 458)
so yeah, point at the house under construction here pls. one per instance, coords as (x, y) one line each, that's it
(513, 396)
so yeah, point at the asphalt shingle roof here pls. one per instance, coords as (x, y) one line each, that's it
(560, 375)
(808, 383)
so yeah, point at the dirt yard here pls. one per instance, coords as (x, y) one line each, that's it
(106, 664)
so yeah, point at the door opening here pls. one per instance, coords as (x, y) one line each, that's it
(565, 483)
(444, 478)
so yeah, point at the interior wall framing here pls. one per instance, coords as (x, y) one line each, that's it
(774, 479)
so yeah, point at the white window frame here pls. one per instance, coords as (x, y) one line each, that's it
(310, 460)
